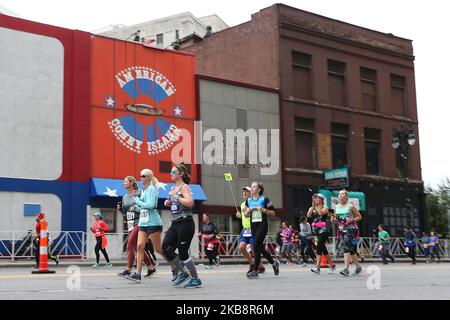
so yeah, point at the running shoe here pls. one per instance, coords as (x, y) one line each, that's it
(217, 261)
(124, 274)
(345, 272)
(331, 269)
(182, 278)
(289, 263)
(315, 270)
(392, 259)
(261, 269)
(134, 277)
(193, 283)
(209, 267)
(250, 270)
(108, 266)
(174, 275)
(252, 275)
(276, 267)
(150, 273)
(95, 266)
(357, 271)
(303, 265)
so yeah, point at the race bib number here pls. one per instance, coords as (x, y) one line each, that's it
(256, 216)
(130, 220)
(407, 250)
(130, 215)
(210, 246)
(144, 216)
(247, 233)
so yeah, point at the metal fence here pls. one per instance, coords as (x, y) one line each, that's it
(18, 245)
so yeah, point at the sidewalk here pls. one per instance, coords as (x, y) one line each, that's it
(6, 263)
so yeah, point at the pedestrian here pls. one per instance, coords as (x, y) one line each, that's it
(245, 237)
(286, 248)
(37, 239)
(318, 212)
(295, 244)
(385, 244)
(181, 231)
(150, 224)
(410, 243)
(434, 244)
(306, 238)
(131, 213)
(211, 243)
(426, 247)
(259, 207)
(99, 228)
(346, 216)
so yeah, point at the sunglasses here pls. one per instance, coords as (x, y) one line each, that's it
(174, 171)
(143, 176)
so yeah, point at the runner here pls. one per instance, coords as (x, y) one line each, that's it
(410, 244)
(306, 241)
(286, 248)
(149, 223)
(384, 244)
(181, 231)
(258, 207)
(98, 228)
(434, 246)
(319, 215)
(36, 242)
(128, 210)
(427, 249)
(210, 242)
(295, 244)
(245, 237)
(346, 217)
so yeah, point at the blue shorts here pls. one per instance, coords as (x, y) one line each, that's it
(151, 229)
(247, 240)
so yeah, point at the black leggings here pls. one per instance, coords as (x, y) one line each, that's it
(212, 254)
(321, 247)
(259, 232)
(98, 248)
(178, 236)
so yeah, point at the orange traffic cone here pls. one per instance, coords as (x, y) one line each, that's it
(43, 250)
(323, 263)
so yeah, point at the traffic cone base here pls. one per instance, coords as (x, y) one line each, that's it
(323, 262)
(43, 271)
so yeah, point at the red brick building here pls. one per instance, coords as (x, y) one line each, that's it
(344, 91)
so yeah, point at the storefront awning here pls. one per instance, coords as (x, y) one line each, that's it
(358, 199)
(100, 187)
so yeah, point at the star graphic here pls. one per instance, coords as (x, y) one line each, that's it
(111, 193)
(110, 101)
(162, 185)
(177, 111)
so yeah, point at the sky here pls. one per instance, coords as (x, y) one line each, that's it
(427, 25)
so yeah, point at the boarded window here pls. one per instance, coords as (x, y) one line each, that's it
(372, 150)
(339, 141)
(398, 94)
(304, 142)
(301, 75)
(369, 89)
(336, 82)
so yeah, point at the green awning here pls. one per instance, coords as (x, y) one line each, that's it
(357, 198)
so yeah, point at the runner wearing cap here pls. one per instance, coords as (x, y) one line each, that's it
(259, 207)
(211, 243)
(98, 228)
(346, 217)
(319, 215)
(245, 237)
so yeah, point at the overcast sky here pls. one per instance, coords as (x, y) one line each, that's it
(427, 23)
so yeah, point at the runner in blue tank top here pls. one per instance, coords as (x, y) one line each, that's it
(346, 217)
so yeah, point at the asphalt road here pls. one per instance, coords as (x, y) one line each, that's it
(396, 281)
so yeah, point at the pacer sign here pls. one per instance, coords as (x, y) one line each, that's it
(141, 99)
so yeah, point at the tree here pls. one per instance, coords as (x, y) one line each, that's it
(438, 207)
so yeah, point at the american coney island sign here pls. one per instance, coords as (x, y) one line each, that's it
(149, 87)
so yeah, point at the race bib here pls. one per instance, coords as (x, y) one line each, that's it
(380, 247)
(407, 250)
(210, 246)
(256, 216)
(130, 215)
(247, 233)
(144, 216)
(130, 224)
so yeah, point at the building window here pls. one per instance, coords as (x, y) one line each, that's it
(160, 39)
(398, 94)
(304, 142)
(372, 148)
(369, 89)
(241, 123)
(301, 75)
(339, 139)
(336, 82)
(177, 34)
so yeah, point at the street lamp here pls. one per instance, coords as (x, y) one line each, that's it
(402, 140)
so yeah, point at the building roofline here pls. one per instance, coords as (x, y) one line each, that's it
(212, 15)
(339, 21)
